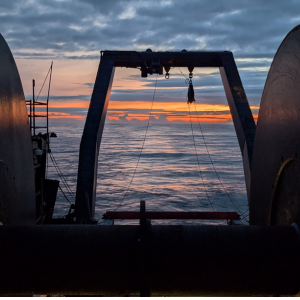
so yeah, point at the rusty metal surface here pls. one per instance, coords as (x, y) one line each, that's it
(275, 188)
(90, 142)
(167, 260)
(17, 197)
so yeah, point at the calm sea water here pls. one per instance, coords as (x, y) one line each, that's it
(168, 175)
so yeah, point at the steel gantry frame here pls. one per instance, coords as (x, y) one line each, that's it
(90, 143)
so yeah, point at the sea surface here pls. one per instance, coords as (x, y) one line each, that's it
(174, 171)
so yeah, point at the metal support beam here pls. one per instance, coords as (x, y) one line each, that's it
(89, 148)
(242, 117)
(134, 59)
(90, 142)
(172, 215)
(178, 260)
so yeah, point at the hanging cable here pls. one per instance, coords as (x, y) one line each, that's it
(60, 187)
(244, 218)
(246, 215)
(48, 137)
(213, 163)
(64, 194)
(244, 212)
(61, 176)
(200, 172)
(187, 78)
(188, 81)
(43, 83)
(140, 154)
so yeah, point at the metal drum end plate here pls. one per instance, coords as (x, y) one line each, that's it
(17, 195)
(275, 174)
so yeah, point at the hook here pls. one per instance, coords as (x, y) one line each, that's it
(188, 81)
(191, 68)
(167, 68)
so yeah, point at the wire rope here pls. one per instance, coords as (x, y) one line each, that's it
(62, 178)
(205, 144)
(207, 147)
(183, 74)
(43, 83)
(244, 212)
(140, 154)
(64, 194)
(200, 171)
(245, 217)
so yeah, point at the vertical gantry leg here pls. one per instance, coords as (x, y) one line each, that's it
(241, 113)
(90, 142)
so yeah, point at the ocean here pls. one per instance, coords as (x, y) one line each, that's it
(175, 171)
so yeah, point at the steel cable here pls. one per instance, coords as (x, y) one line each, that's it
(62, 178)
(140, 154)
(43, 84)
(213, 163)
(200, 171)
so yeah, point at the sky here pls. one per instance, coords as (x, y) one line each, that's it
(71, 33)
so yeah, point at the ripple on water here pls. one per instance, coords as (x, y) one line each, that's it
(167, 177)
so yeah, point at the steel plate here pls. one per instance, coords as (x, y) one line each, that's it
(17, 195)
(275, 176)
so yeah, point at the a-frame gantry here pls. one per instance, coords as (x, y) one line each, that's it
(153, 62)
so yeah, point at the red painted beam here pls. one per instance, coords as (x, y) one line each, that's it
(154, 215)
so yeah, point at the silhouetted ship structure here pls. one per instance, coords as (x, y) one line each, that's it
(72, 256)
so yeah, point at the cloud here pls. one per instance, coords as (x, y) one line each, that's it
(79, 29)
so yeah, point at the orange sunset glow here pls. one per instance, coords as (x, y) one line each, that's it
(117, 109)
(72, 86)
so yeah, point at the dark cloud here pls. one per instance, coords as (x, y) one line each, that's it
(79, 29)
(89, 84)
(63, 98)
(249, 28)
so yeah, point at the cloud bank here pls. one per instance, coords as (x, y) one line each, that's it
(79, 29)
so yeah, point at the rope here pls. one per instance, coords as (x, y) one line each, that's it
(62, 178)
(140, 154)
(43, 84)
(187, 80)
(244, 212)
(64, 194)
(245, 217)
(213, 163)
(182, 74)
(200, 172)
